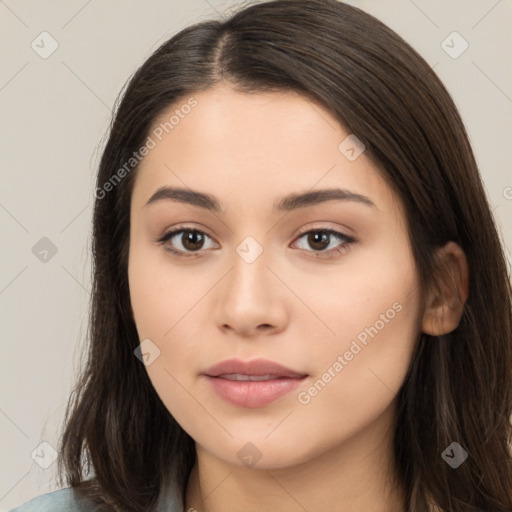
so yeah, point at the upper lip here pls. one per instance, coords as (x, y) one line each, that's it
(255, 367)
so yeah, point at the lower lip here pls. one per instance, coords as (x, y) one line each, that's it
(253, 394)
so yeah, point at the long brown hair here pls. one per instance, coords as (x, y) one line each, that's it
(459, 386)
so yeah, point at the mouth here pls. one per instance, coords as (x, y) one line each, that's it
(254, 378)
(253, 368)
(252, 384)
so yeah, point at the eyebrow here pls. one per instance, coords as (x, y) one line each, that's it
(288, 203)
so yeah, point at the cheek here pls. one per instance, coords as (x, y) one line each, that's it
(159, 291)
(372, 310)
(366, 288)
(163, 301)
(160, 300)
(359, 374)
(358, 380)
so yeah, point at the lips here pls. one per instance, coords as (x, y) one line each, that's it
(241, 376)
(252, 384)
(255, 367)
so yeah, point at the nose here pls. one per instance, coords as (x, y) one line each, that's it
(251, 299)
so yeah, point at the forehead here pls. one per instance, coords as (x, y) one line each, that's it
(226, 122)
(255, 145)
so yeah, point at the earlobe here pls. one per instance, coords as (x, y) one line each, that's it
(445, 305)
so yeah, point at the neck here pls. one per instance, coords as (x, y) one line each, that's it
(358, 474)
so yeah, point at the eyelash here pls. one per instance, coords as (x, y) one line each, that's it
(347, 241)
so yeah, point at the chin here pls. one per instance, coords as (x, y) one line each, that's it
(277, 451)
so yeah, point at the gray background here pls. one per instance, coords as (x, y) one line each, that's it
(54, 113)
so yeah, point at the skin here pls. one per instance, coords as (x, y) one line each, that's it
(289, 305)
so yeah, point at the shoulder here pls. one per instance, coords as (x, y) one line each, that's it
(63, 500)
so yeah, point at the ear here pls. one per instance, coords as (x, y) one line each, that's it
(444, 306)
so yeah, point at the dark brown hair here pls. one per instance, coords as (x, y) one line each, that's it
(459, 386)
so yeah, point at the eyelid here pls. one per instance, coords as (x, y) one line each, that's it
(327, 229)
(182, 227)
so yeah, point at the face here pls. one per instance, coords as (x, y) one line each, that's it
(327, 288)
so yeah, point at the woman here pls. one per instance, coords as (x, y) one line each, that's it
(300, 300)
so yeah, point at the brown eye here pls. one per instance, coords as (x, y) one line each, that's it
(320, 239)
(188, 241)
(192, 240)
(184, 241)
